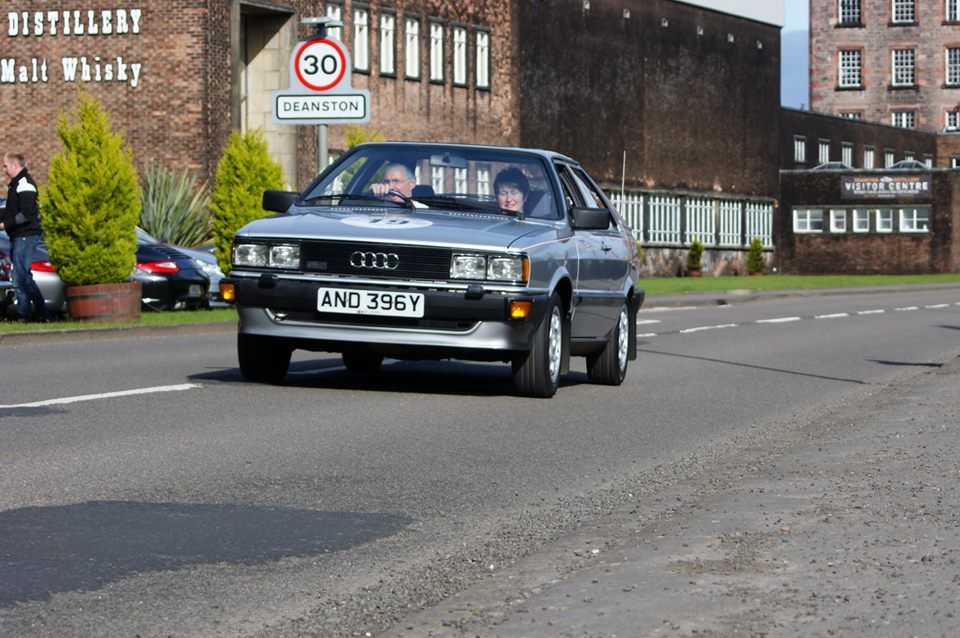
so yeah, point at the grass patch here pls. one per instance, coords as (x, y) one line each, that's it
(172, 318)
(658, 286)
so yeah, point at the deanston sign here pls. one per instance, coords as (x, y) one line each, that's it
(885, 186)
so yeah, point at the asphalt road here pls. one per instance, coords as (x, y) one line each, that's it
(145, 489)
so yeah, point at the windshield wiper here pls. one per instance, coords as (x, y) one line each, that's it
(341, 197)
(457, 203)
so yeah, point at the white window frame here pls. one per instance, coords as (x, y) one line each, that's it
(903, 67)
(823, 151)
(483, 181)
(460, 184)
(955, 161)
(928, 160)
(799, 149)
(436, 51)
(334, 12)
(850, 68)
(904, 119)
(868, 157)
(388, 44)
(848, 11)
(482, 45)
(846, 153)
(951, 12)
(888, 158)
(861, 220)
(361, 39)
(951, 121)
(460, 56)
(411, 49)
(915, 220)
(884, 218)
(838, 220)
(952, 66)
(807, 220)
(436, 179)
(903, 11)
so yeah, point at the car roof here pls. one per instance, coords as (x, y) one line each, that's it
(547, 154)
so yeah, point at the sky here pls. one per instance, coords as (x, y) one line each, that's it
(794, 54)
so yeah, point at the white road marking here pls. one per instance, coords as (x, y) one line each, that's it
(838, 315)
(702, 328)
(871, 312)
(779, 320)
(641, 322)
(103, 395)
(667, 308)
(906, 309)
(647, 335)
(939, 305)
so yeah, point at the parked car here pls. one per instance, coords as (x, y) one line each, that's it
(169, 278)
(443, 270)
(205, 260)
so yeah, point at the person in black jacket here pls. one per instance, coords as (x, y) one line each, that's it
(22, 222)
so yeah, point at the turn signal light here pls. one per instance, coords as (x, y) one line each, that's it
(520, 309)
(227, 292)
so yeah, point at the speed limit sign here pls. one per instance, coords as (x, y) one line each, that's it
(320, 64)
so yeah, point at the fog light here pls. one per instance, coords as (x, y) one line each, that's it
(520, 309)
(227, 292)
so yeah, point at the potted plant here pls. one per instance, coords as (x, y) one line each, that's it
(755, 263)
(90, 210)
(695, 258)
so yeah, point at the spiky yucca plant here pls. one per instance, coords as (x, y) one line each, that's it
(245, 170)
(92, 201)
(175, 208)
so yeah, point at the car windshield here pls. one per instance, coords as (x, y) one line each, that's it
(471, 179)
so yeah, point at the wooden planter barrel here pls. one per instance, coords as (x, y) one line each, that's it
(104, 302)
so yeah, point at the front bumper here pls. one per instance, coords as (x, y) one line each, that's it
(467, 323)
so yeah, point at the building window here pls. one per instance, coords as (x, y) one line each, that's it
(823, 151)
(887, 158)
(846, 153)
(884, 220)
(928, 160)
(799, 149)
(861, 220)
(953, 67)
(807, 220)
(851, 115)
(850, 69)
(953, 11)
(951, 121)
(868, 157)
(459, 56)
(388, 39)
(483, 181)
(436, 179)
(903, 67)
(915, 220)
(905, 119)
(361, 39)
(908, 155)
(460, 180)
(955, 161)
(849, 11)
(838, 220)
(436, 52)
(904, 11)
(412, 49)
(334, 12)
(483, 59)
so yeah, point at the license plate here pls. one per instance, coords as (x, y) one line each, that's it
(370, 302)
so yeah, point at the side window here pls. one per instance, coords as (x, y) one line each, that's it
(591, 195)
(570, 195)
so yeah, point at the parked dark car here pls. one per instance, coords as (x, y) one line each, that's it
(170, 279)
(494, 254)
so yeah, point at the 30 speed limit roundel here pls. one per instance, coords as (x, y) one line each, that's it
(320, 64)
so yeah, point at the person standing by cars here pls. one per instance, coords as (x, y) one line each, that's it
(22, 222)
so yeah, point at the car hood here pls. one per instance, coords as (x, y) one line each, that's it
(421, 227)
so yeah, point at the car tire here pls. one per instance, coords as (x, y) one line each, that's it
(262, 359)
(361, 361)
(536, 373)
(608, 366)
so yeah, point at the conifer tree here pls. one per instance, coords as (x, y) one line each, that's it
(91, 204)
(245, 170)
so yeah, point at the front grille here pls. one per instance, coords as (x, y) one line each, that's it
(376, 321)
(414, 262)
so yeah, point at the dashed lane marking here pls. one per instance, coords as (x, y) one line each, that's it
(871, 312)
(779, 320)
(103, 395)
(836, 315)
(702, 328)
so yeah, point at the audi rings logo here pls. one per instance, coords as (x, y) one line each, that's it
(377, 261)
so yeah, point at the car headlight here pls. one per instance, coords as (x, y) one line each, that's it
(250, 255)
(285, 256)
(489, 267)
(211, 270)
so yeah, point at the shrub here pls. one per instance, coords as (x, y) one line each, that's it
(695, 256)
(175, 209)
(245, 170)
(755, 256)
(92, 202)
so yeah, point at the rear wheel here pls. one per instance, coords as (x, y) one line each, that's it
(609, 365)
(536, 373)
(262, 359)
(361, 361)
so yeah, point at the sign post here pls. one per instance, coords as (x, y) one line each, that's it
(321, 90)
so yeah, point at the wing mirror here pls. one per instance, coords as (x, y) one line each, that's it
(278, 201)
(590, 218)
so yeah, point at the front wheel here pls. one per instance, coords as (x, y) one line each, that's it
(536, 373)
(262, 359)
(608, 366)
